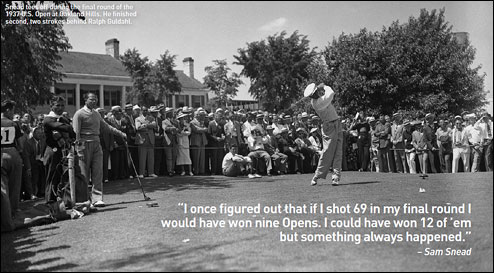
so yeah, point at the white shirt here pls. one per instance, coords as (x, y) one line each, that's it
(324, 107)
(473, 134)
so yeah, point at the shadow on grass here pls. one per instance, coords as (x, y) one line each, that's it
(359, 183)
(17, 249)
(205, 257)
(177, 183)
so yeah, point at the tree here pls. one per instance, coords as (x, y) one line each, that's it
(30, 52)
(276, 68)
(417, 66)
(152, 82)
(139, 69)
(165, 80)
(224, 87)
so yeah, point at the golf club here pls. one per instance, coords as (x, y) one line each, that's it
(137, 176)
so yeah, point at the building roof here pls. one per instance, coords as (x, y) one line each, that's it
(90, 63)
(187, 82)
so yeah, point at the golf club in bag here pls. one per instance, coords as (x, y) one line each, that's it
(137, 176)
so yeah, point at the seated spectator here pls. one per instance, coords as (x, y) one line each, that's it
(305, 147)
(235, 164)
(257, 151)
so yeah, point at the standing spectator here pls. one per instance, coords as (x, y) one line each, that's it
(183, 155)
(420, 145)
(374, 145)
(106, 140)
(474, 135)
(145, 126)
(198, 142)
(129, 116)
(33, 151)
(398, 144)
(485, 125)
(11, 166)
(87, 125)
(170, 130)
(390, 156)
(430, 140)
(410, 152)
(443, 136)
(383, 131)
(461, 148)
(119, 157)
(156, 112)
(57, 131)
(216, 140)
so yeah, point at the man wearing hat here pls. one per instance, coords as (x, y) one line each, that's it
(321, 100)
(461, 147)
(106, 140)
(398, 144)
(430, 139)
(198, 142)
(271, 147)
(474, 134)
(170, 131)
(443, 136)
(119, 157)
(216, 141)
(129, 116)
(486, 128)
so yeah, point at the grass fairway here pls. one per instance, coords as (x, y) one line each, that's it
(127, 235)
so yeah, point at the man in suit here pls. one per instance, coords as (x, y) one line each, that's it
(119, 157)
(198, 142)
(216, 140)
(34, 150)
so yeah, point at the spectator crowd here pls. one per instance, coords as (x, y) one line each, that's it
(162, 141)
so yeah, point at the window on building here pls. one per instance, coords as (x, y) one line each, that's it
(112, 95)
(181, 100)
(67, 91)
(169, 101)
(197, 101)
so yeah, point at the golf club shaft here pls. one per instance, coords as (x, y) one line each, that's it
(137, 175)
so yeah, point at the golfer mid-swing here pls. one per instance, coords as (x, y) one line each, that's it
(321, 100)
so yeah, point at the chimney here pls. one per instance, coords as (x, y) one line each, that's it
(461, 37)
(189, 67)
(112, 48)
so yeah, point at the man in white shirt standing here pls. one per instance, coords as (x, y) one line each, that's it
(486, 131)
(332, 135)
(475, 141)
(461, 149)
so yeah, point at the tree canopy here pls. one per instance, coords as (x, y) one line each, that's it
(223, 86)
(30, 52)
(152, 81)
(416, 66)
(277, 68)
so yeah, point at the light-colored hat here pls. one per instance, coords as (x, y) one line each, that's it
(260, 115)
(269, 127)
(300, 129)
(153, 109)
(469, 116)
(136, 107)
(160, 106)
(372, 119)
(219, 110)
(182, 115)
(429, 115)
(416, 122)
(316, 117)
(116, 108)
(458, 117)
(396, 114)
(128, 106)
(406, 122)
(305, 115)
(313, 130)
(287, 117)
(168, 109)
(309, 90)
(210, 115)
